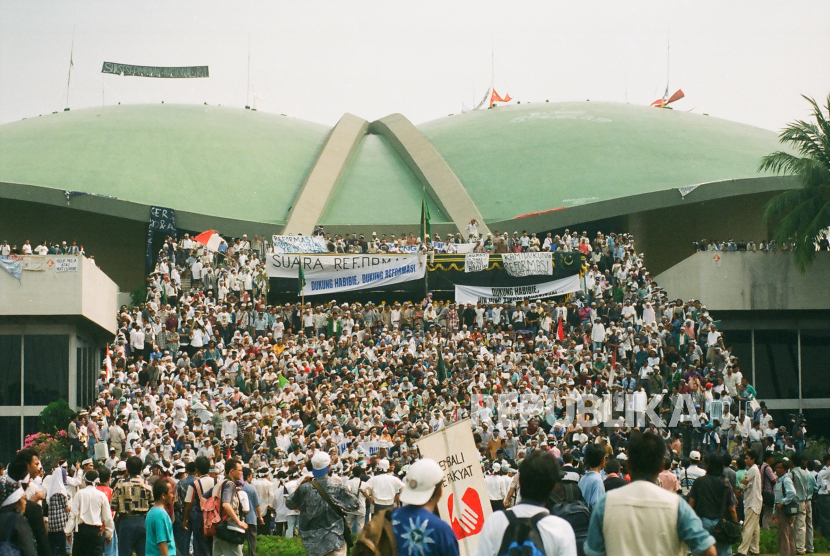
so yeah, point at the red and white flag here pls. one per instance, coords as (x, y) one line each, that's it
(209, 239)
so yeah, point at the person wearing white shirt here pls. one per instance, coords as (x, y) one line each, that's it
(753, 505)
(382, 490)
(538, 474)
(496, 488)
(89, 511)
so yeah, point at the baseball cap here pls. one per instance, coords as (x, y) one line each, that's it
(694, 455)
(421, 480)
(320, 463)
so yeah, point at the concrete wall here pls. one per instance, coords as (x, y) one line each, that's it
(666, 235)
(88, 293)
(116, 243)
(746, 281)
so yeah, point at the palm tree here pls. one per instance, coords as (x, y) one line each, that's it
(802, 214)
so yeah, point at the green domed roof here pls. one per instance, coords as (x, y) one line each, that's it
(519, 159)
(249, 166)
(226, 162)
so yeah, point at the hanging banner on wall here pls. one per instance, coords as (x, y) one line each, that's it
(464, 503)
(474, 294)
(476, 262)
(13, 265)
(287, 265)
(163, 220)
(338, 280)
(67, 264)
(155, 71)
(528, 264)
(299, 244)
(395, 272)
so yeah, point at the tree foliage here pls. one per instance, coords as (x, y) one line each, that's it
(802, 214)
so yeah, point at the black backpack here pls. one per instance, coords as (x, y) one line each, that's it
(570, 506)
(521, 538)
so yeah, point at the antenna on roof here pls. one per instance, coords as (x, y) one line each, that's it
(71, 64)
(248, 94)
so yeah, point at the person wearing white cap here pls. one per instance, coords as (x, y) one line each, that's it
(496, 487)
(383, 489)
(689, 474)
(90, 519)
(322, 504)
(417, 529)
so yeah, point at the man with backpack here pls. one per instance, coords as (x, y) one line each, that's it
(643, 518)
(232, 510)
(527, 527)
(193, 519)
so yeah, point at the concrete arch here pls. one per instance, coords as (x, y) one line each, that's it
(431, 170)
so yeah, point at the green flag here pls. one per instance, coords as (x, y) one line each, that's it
(300, 280)
(426, 228)
(442, 369)
(282, 381)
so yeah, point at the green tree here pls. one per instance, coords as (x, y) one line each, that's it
(56, 417)
(802, 214)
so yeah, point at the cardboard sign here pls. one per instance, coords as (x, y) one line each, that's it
(464, 503)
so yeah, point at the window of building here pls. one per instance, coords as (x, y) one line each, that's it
(741, 343)
(9, 437)
(776, 363)
(10, 370)
(815, 363)
(46, 364)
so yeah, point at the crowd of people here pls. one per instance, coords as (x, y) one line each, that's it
(303, 419)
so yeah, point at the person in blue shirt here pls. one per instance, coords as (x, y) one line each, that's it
(785, 494)
(253, 517)
(418, 531)
(591, 483)
(159, 528)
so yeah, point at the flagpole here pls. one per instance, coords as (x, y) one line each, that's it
(71, 63)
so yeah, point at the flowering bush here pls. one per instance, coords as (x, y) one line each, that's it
(51, 448)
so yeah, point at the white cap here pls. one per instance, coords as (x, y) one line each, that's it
(496, 467)
(420, 482)
(694, 455)
(320, 462)
(383, 465)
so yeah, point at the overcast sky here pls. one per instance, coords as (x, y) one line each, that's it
(746, 61)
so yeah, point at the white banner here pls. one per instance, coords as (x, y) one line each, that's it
(460, 248)
(528, 264)
(476, 262)
(474, 294)
(371, 448)
(66, 264)
(35, 263)
(282, 265)
(412, 268)
(465, 503)
(299, 244)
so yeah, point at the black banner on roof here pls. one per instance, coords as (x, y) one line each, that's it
(154, 71)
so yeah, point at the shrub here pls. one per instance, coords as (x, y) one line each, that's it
(278, 546)
(51, 448)
(55, 417)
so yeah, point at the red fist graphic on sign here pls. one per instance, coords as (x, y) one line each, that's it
(466, 515)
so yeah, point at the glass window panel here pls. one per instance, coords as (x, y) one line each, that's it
(9, 437)
(741, 343)
(9, 370)
(46, 369)
(815, 363)
(79, 379)
(776, 363)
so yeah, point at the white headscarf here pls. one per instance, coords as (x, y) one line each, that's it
(57, 483)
